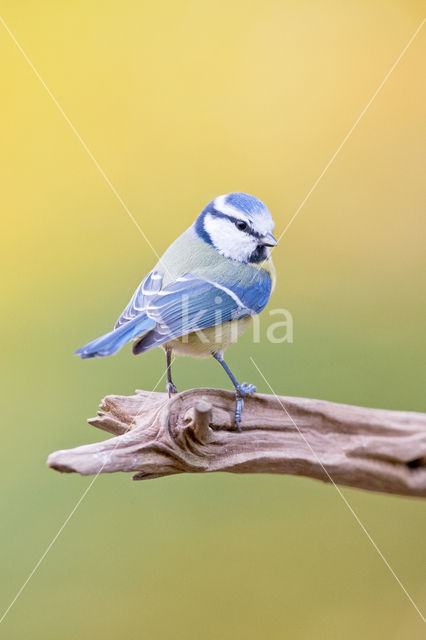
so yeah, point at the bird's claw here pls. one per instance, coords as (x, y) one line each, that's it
(246, 389)
(171, 389)
(242, 391)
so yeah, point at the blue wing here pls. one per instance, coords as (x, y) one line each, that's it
(132, 323)
(191, 303)
(145, 292)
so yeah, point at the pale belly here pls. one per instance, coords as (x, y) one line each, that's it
(202, 344)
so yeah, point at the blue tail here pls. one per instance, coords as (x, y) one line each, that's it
(112, 342)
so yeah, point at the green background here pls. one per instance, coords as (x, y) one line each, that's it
(179, 102)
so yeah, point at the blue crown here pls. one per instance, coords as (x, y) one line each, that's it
(246, 203)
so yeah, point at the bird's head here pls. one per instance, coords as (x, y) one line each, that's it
(239, 226)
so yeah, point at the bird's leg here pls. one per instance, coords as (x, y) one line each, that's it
(241, 390)
(171, 388)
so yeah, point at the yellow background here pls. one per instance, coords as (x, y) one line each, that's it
(179, 102)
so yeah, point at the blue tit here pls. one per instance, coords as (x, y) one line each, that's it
(204, 291)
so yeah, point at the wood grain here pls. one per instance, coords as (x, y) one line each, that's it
(373, 449)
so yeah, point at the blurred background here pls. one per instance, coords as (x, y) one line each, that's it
(180, 102)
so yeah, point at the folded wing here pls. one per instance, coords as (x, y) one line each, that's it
(155, 316)
(192, 303)
(148, 288)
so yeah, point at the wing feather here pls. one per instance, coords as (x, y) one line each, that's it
(148, 288)
(191, 303)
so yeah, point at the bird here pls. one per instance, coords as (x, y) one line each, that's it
(203, 292)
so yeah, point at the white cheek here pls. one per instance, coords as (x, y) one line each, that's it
(228, 240)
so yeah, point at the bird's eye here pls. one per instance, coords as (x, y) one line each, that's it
(241, 225)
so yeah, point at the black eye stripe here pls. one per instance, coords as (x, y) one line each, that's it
(248, 229)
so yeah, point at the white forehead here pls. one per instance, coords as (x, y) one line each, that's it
(261, 221)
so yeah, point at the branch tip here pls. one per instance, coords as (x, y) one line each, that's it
(202, 418)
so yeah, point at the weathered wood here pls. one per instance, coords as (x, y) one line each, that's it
(193, 432)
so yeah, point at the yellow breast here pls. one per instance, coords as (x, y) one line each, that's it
(201, 344)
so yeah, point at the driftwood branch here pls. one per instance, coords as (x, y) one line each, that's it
(193, 432)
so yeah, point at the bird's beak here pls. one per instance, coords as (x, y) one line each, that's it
(269, 240)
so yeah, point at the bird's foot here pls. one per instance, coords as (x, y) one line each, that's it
(242, 391)
(246, 389)
(171, 389)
